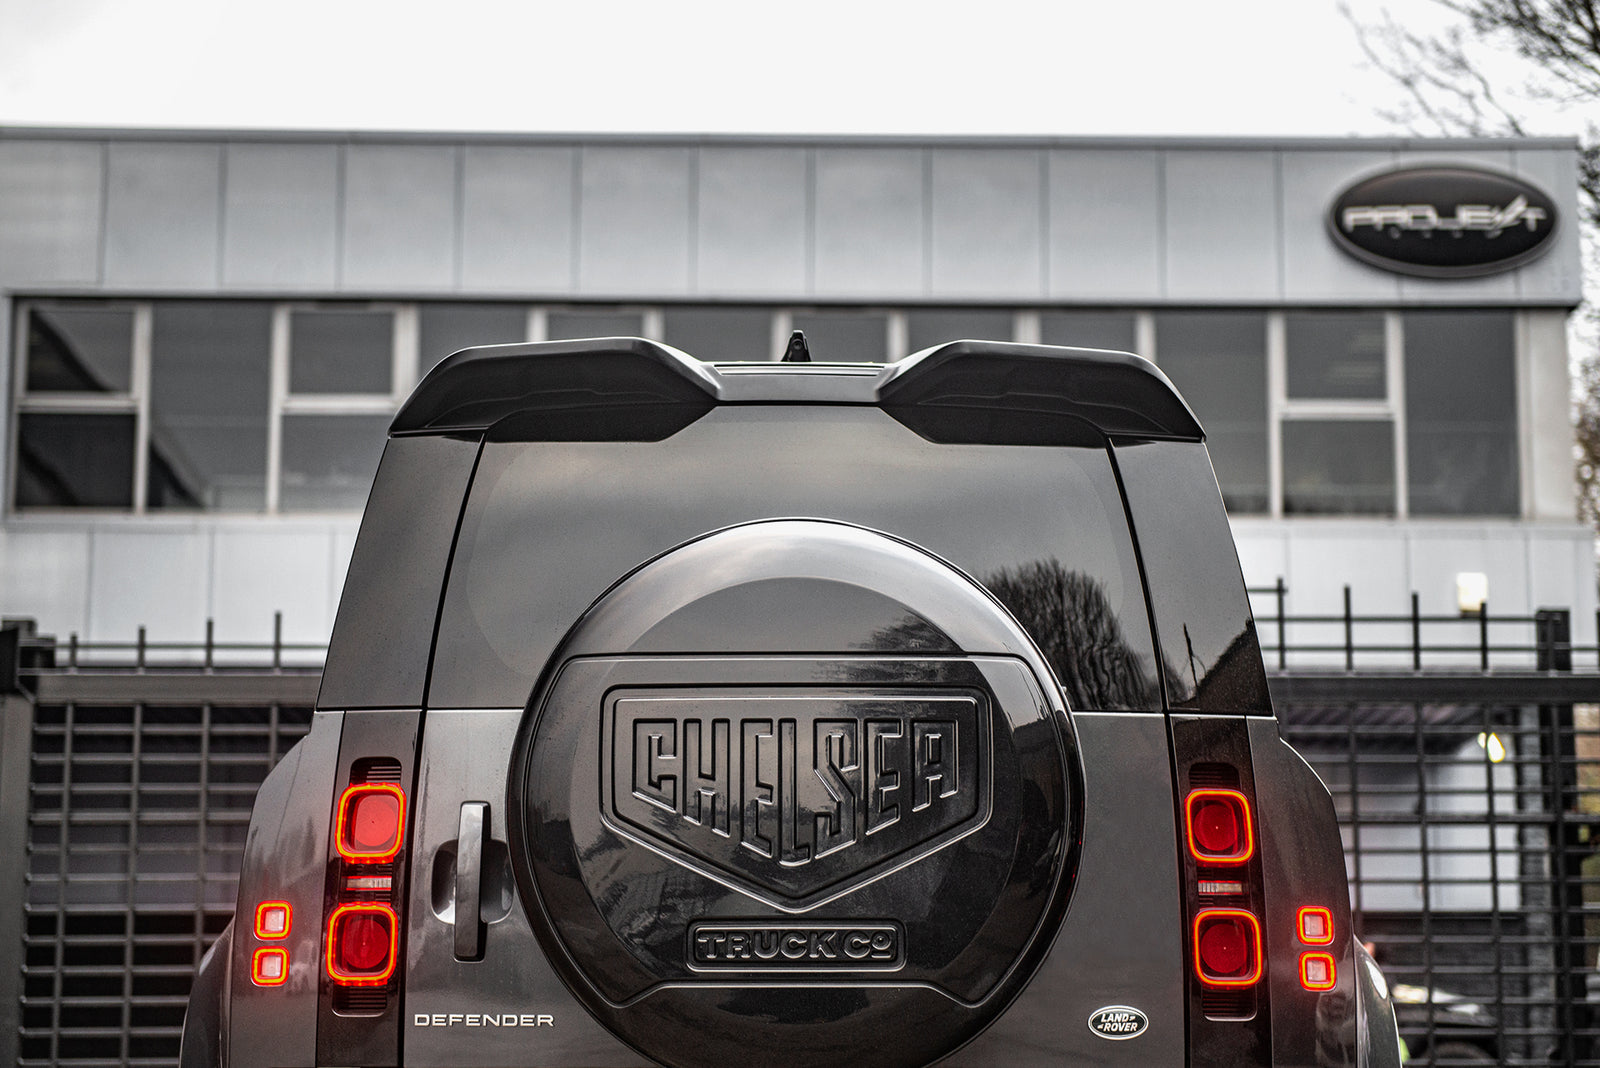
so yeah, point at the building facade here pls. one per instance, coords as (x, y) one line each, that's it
(205, 334)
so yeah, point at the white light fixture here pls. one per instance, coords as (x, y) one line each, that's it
(1492, 746)
(1472, 590)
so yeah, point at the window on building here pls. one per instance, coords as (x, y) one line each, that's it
(328, 462)
(837, 336)
(926, 327)
(257, 406)
(78, 410)
(1338, 467)
(333, 350)
(573, 323)
(446, 328)
(713, 334)
(1218, 361)
(1334, 355)
(1461, 414)
(1337, 415)
(79, 349)
(348, 371)
(210, 368)
(1089, 330)
(75, 460)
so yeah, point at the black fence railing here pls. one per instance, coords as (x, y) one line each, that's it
(1463, 757)
(1479, 640)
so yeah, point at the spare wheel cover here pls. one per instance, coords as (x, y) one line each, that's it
(795, 793)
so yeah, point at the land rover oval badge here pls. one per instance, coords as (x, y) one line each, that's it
(1443, 221)
(1118, 1022)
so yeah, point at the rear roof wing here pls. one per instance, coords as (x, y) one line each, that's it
(1118, 393)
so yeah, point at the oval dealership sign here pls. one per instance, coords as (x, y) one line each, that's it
(1443, 221)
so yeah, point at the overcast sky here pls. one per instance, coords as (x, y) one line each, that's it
(1240, 67)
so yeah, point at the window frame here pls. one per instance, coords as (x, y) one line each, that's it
(282, 402)
(1281, 408)
(406, 357)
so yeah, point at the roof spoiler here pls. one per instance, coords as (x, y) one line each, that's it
(1117, 393)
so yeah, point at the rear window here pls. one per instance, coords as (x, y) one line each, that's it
(550, 526)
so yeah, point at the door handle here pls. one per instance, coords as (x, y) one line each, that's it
(469, 880)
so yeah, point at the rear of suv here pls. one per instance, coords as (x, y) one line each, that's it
(792, 714)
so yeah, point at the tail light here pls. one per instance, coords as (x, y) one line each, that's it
(362, 923)
(1223, 892)
(363, 944)
(1318, 971)
(1227, 947)
(1218, 826)
(269, 966)
(371, 824)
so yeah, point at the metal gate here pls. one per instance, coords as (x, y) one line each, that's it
(137, 777)
(1463, 755)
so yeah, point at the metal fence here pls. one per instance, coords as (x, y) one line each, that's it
(1463, 755)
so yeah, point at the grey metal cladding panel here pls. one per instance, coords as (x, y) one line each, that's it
(1222, 226)
(517, 219)
(751, 238)
(399, 217)
(1558, 274)
(987, 223)
(1314, 268)
(635, 221)
(1105, 225)
(50, 212)
(281, 216)
(162, 214)
(870, 240)
(1500, 288)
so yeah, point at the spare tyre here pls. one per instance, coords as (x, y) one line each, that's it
(795, 793)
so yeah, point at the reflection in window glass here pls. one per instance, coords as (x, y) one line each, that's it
(1218, 361)
(1338, 467)
(341, 351)
(721, 333)
(209, 364)
(845, 336)
(70, 460)
(446, 328)
(79, 349)
(1335, 355)
(329, 461)
(570, 324)
(1088, 330)
(1461, 430)
(935, 326)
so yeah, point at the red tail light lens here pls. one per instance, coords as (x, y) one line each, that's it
(1227, 947)
(1218, 823)
(1318, 971)
(1315, 925)
(371, 824)
(362, 944)
(269, 967)
(274, 919)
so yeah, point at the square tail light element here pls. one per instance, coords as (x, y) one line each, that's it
(1227, 947)
(371, 823)
(273, 920)
(1217, 823)
(363, 944)
(1315, 925)
(1318, 971)
(269, 966)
